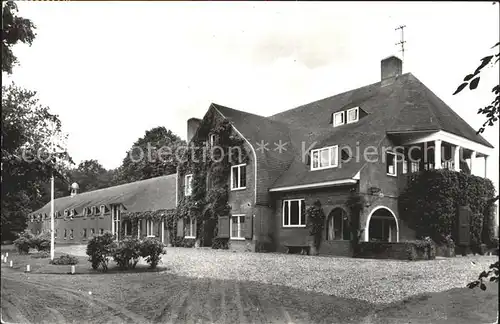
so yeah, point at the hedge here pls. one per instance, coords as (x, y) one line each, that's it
(411, 250)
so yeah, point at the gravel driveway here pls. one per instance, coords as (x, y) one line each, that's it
(376, 281)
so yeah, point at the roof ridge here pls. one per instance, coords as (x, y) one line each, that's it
(338, 94)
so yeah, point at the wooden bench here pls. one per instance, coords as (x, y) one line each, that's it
(303, 248)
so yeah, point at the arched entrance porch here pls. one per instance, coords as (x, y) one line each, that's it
(382, 225)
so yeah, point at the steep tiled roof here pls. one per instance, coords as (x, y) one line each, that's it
(258, 129)
(404, 105)
(145, 195)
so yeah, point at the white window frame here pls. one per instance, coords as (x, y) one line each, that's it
(96, 210)
(335, 147)
(340, 113)
(356, 109)
(71, 234)
(404, 166)
(102, 209)
(239, 166)
(211, 139)
(72, 213)
(149, 228)
(414, 166)
(66, 213)
(242, 235)
(186, 192)
(395, 164)
(301, 201)
(192, 228)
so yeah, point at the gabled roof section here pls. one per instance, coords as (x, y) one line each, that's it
(139, 196)
(258, 130)
(404, 105)
(428, 112)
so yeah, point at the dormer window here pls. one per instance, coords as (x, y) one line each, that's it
(87, 211)
(338, 119)
(103, 209)
(66, 213)
(324, 158)
(95, 210)
(72, 213)
(352, 115)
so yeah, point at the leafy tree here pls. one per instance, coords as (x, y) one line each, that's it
(472, 80)
(90, 175)
(151, 156)
(15, 29)
(29, 134)
(492, 113)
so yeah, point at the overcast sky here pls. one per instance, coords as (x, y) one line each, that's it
(112, 70)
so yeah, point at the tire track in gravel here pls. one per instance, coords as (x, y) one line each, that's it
(119, 311)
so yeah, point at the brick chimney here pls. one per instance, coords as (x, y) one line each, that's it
(390, 68)
(192, 127)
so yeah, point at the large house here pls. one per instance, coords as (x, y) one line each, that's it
(366, 140)
(323, 150)
(137, 208)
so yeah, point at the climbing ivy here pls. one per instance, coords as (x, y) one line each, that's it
(315, 218)
(213, 164)
(355, 203)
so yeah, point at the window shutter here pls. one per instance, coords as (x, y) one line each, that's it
(180, 227)
(464, 216)
(248, 226)
(223, 227)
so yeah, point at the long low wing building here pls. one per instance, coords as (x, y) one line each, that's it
(133, 209)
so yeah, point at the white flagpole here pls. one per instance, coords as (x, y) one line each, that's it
(52, 217)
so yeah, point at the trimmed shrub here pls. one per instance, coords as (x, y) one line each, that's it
(41, 242)
(24, 242)
(411, 250)
(189, 242)
(41, 255)
(220, 243)
(421, 249)
(127, 253)
(99, 249)
(64, 259)
(151, 249)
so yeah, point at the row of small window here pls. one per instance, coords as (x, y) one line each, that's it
(237, 227)
(68, 233)
(87, 211)
(238, 179)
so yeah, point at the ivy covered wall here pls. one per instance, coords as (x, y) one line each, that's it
(210, 167)
(431, 199)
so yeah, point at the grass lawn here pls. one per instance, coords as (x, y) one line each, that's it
(223, 287)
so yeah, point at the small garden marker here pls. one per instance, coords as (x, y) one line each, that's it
(11, 264)
(6, 254)
(72, 269)
(27, 268)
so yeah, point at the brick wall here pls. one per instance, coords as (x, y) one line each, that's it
(330, 199)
